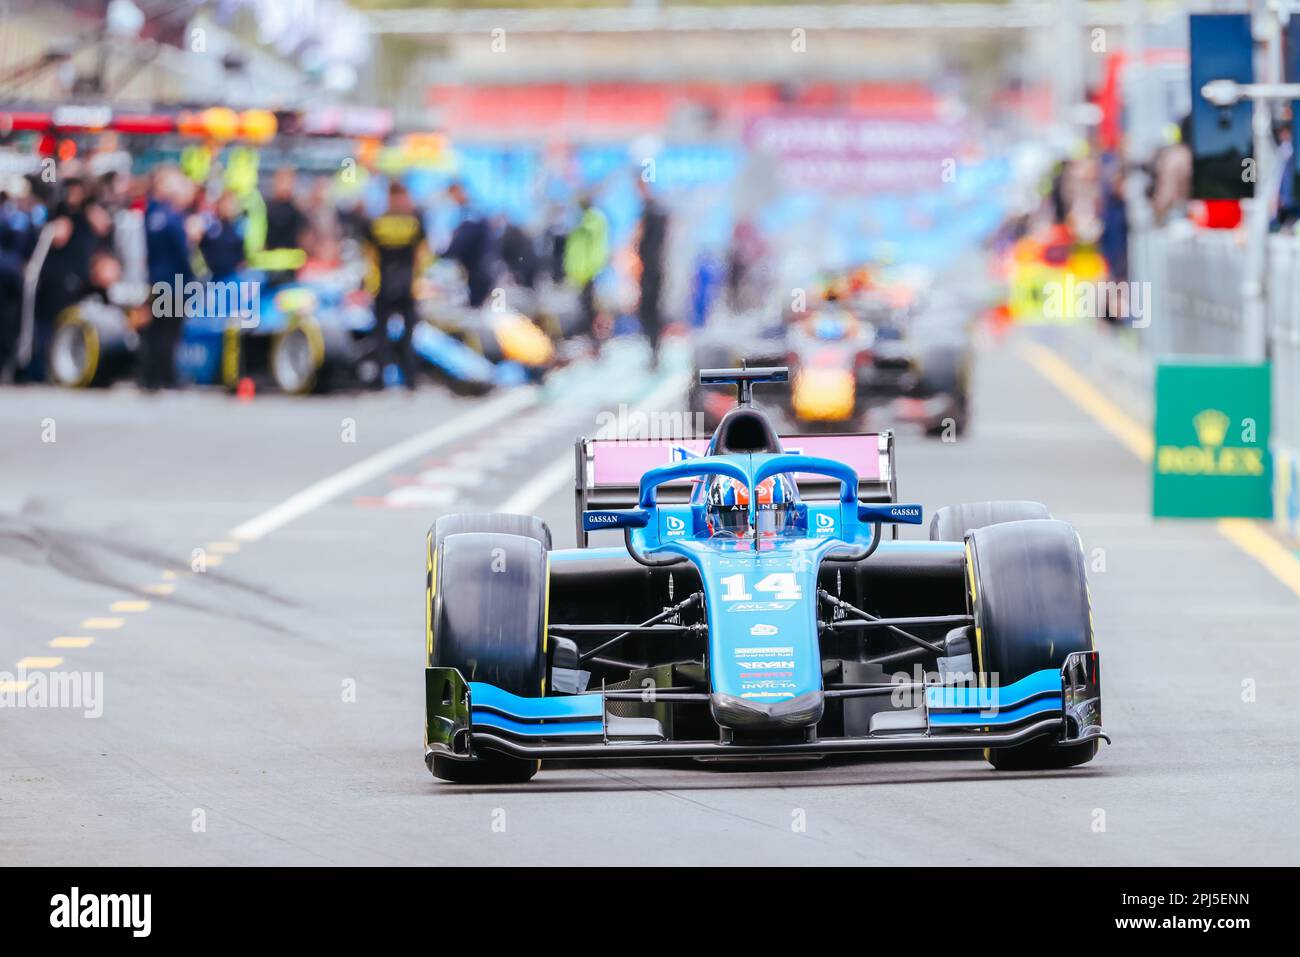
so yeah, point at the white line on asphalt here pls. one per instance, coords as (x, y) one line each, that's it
(371, 467)
(552, 478)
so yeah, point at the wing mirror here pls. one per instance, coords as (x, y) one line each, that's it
(595, 520)
(895, 513)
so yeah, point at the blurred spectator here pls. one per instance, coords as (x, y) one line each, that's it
(1172, 178)
(221, 242)
(21, 218)
(554, 237)
(519, 255)
(105, 273)
(651, 242)
(20, 222)
(124, 197)
(586, 251)
(1114, 234)
(324, 229)
(746, 251)
(168, 249)
(352, 218)
(472, 246)
(1285, 211)
(398, 253)
(77, 229)
(12, 258)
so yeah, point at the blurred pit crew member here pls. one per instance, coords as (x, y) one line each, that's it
(281, 252)
(168, 250)
(586, 251)
(519, 255)
(221, 238)
(652, 236)
(398, 253)
(472, 245)
(78, 227)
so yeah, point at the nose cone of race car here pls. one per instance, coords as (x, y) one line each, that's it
(750, 714)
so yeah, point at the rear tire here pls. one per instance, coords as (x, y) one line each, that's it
(486, 616)
(945, 370)
(1031, 605)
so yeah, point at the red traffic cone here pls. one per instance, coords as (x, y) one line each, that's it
(246, 390)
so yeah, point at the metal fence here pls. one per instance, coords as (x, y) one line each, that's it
(1196, 308)
(1196, 301)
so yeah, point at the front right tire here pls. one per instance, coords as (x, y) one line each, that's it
(486, 616)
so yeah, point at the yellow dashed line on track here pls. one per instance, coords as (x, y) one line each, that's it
(1262, 547)
(1244, 533)
(122, 606)
(1088, 397)
(35, 662)
(103, 624)
(72, 641)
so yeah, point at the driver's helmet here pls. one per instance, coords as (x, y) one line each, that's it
(726, 506)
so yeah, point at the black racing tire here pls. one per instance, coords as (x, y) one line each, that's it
(92, 347)
(952, 522)
(529, 526)
(486, 616)
(945, 370)
(1029, 593)
(311, 357)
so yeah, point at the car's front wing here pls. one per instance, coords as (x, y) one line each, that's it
(466, 718)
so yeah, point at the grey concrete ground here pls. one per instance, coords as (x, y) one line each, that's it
(268, 710)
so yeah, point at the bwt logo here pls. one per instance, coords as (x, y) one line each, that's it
(102, 910)
(674, 525)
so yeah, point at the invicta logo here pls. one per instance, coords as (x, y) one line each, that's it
(1211, 456)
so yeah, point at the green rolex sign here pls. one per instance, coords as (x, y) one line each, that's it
(1211, 455)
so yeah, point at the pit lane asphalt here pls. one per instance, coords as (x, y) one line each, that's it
(227, 736)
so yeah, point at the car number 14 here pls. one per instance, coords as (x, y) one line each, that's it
(780, 585)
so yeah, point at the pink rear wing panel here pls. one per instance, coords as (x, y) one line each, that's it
(614, 464)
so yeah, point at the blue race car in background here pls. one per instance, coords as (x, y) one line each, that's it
(728, 624)
(317, 335)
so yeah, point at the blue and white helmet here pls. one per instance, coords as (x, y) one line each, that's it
(727, 506)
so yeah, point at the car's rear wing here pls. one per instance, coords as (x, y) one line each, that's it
(608, 471)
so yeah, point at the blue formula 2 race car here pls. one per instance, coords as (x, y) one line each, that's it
(754, 609)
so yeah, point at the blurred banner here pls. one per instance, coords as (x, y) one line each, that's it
(861, 154)
(1222, 147)
(1212, 441)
